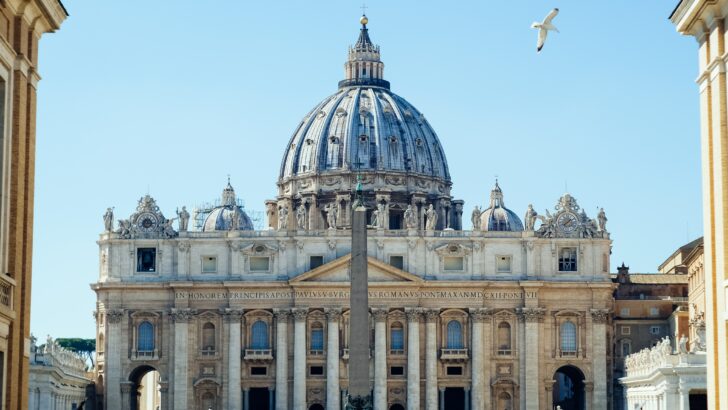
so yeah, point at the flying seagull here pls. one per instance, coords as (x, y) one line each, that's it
(544, 27)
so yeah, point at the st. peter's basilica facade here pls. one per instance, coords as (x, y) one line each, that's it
(214, 314)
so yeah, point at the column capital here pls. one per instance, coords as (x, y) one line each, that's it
(588, 386)
(163, 386)
(531, 315)
(333, 314)
(181, 315)
(114, 316)
(281, 315)
(480, 314)
(600, 315)
(431, 315)
(413, 314)
(380, 314)
(299, 314)
(231, 315)
(126, 387)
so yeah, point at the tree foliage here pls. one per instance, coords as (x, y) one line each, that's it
(84, 347)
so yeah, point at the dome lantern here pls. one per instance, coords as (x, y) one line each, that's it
(364, 66)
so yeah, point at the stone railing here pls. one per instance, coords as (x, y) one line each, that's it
(647, 360)
(453, 355)
(6, 291)
(258, 355)
(52, 354)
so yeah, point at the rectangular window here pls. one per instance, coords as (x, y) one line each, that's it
(259, 263)
(655, 330)
(454, 370)
(396, 370)
(316, 370)
(624, 312)
(209, 264)
(146, 259)
(315, 261)
(503, 264)
(397, 339)
(258, 371)
(317, 339)
(654, 311)
(453, 263)
(397, 261)
(626, 330)
(567, 260)
(626, 348)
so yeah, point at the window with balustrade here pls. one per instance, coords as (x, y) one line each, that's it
(208, 339)
(317, 339)
(568, 338)
(454, 335)
(396, 338)
(145, 339)
(504, 339)
(259, 335)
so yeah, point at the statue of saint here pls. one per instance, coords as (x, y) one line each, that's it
(475, 218)
(375, 218)
(530, 218)
(331, 214)
(184, 218)
(602, 221)
(301, 217)
(431, 215)
(109, 219)
(683, 345)
(381, 215)
(283, 217)
(410, 218)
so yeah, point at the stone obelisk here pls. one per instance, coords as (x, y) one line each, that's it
(359, 390)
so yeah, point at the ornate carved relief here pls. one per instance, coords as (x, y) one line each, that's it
(530, 315)
(114, 316)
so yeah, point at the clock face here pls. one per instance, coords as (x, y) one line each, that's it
(567, 222)
(147, 222)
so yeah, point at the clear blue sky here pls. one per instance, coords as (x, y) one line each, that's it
(171, 96)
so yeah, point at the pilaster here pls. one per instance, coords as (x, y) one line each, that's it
(281, 393)
(414, 316)
(299, 358)
(380, 358)
(332, 359)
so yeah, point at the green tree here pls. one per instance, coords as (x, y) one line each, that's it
(84, 347)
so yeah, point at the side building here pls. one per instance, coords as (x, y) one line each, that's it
(512, 314)
(58, 378)
(22, 23)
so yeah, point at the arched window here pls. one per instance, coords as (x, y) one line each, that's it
(396, 336)
(208, 336)
(504, 338)
(454, 335)
(568, 337)
(145, 339)
(317, 337)
(259, 335)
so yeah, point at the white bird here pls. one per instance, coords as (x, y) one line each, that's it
(544, 27)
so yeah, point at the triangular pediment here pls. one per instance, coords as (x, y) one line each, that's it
(338, 271)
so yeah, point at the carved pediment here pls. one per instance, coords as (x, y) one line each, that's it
(259, 249)
(338, 271)
(453, 249)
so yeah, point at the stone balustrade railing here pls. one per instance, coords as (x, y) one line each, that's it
(52, 354)
(6, 291)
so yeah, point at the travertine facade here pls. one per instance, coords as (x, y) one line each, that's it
(58, 378)
(22, 23)
(705, 20)
(500, 317)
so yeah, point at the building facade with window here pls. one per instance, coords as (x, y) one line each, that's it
(510, 314)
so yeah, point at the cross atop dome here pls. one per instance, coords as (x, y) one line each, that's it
(364, 67)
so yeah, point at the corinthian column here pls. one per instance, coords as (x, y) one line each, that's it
(600, 317)
(299, 358)
(181, 319)
(533, 317)
(233, 322)
(333, 396)
(413, 358)
(113, 359)
(431, 316)
(281, 358)
(477, 316)
(380, 359)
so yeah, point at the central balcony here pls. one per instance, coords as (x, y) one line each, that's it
(453, 355)
(258, 355)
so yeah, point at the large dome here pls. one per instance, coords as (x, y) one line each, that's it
(365, 128)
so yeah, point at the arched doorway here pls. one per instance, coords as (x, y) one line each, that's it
(396, 407)
(569, 388)
(316, 407)
(145, 393)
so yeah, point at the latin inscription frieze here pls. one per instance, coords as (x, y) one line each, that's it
(344, 294)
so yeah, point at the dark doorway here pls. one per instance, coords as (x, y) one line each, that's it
(569, 388)
(454, 398)
(316, 407)
(258, 398)
(141, 376)
(396, 407)
(698, 401)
